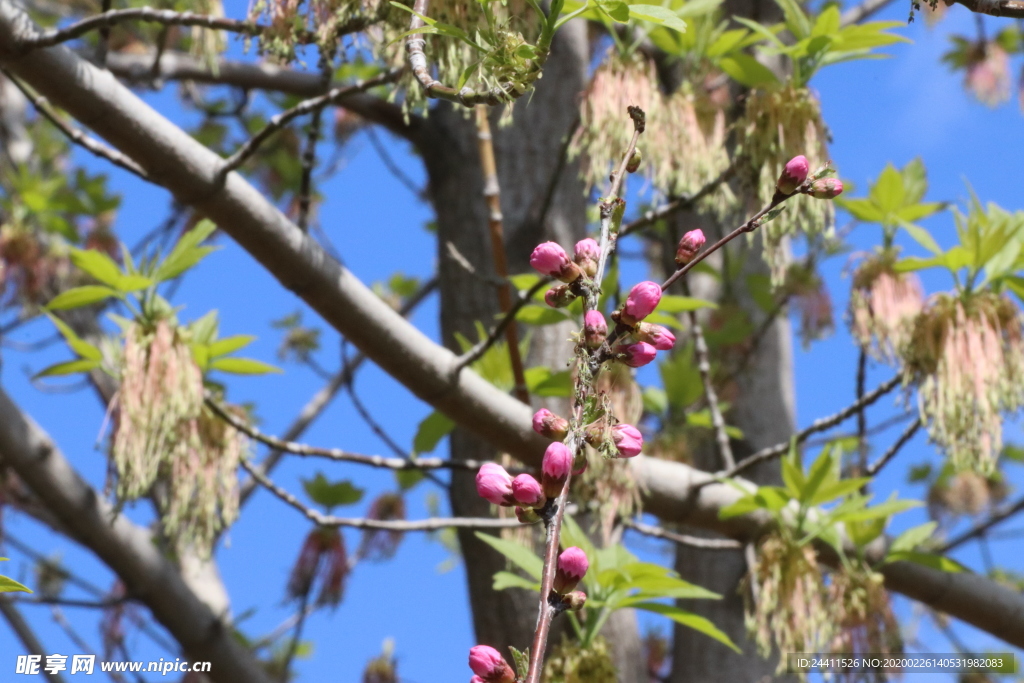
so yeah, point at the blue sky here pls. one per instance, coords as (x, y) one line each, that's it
(878, 111)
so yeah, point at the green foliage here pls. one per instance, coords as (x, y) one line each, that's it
(495, 366)
(894, 199)
(432, 429)
(542, 381)
(328, 494)
(211, 353)
(8, 585)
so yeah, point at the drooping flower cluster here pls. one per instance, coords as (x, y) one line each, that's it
(323, 556)
(684, 152)
(966, 354)
(381, 544)
(163, 430)
(883, 305)
(862, 613)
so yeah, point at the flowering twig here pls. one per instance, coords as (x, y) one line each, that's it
(652, 216)
(279, 121)
(338, 454)
(682, 539)
(492, 194)
(111, 18)
(480, 348)
(819, 425)
(432, 524)
(906, 436)
(101, 150)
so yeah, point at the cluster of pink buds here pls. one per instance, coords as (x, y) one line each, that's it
(647, 338)
(524, 492)
(628, 440)
(489, 666)
(794, 175)
(550, 259)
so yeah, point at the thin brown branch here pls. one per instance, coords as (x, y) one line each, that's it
(476, 353)
(980, 529)
(94, 146)
(279, 121)
(682, 539)
(819, 425)
(679, 204)
(112, 18)
(338, 454)
(1013, 9)
(433, 524)
(27, 637)
(495, 225)
(908, 433)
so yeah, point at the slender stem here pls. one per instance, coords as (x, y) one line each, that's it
(682, 539)
(476, 353)
(862, 418)
(25, 634)
(982, 528)
(293, 646)
(906, 436)
(492, 193)
(679, 204)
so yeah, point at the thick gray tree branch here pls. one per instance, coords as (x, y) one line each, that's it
(124, 547)
(173, 159)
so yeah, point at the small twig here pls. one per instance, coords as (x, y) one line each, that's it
(680, 204)
(103, 46)
(556, 172)
(433, 524)
(390, 165)
(293, 646)
(338, 454)
(67, 602)
(279, 121)
(478, 350)
(908, 433)
(862, 418)
(611, 197)
(818, 425)
(682, 539)
(496, 229)
(25, 634)
(91, 144)
(981, 528)
(308, 163)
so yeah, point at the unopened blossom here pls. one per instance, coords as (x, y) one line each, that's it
(634, 161)
(550, 425)
(574, 601)
(641, 302)
(489, 665)
(658, 336)
(555, 468)
(526, 515)
(572, 567)
(550, 259)
(595, 328)
(586, 255)
(826, 188)
(690, 244)
(628, 440)
(527, 491)
(559, 296)
(494, 484)
(636, 355)
(793, 175)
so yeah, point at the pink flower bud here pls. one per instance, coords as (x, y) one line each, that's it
(628, 440)
(489, 665)
(656, 335)
(572, 567)
(555, 469)
(587, 254)
(550, 425)
(477, 679)
(526, 490)
(689, 246)
(550, 259)
(793, 175)
(826, 188)
(637, 355)
(595, 328)
(494, 484)
(640, 303)
(574, 601)
(559, 296)
(527, 515)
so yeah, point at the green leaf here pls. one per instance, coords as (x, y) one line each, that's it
(186, 253)
(97, 264)
(940, 562)
(798, 23)
(862, 533)
(521, 661)
(923, 237)
(68, 368)
(535, 314)
(913, 537)
(792, 471)
(822, 472)
(542, 382)
(331, 494)
(694, 621)
(80, 296)
(743, 506)
(242, 366)
(503, 580)
(517, 554)
(524, 281)
(432, 429)
(657, 14)
(888, 190)
(83, 348)
(204, 329)
(223, 347)
(655, 400)
(886, 509)
(8, 585)
(838, 489)
(616, 9)
(673, 303)
(747, 71)
(406, 479)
